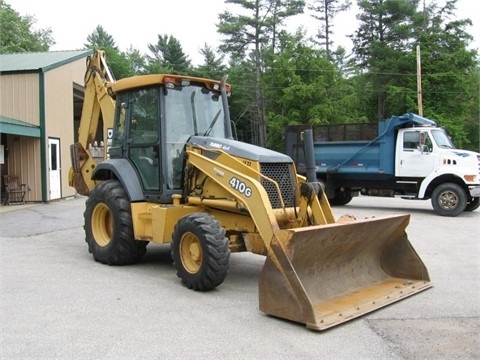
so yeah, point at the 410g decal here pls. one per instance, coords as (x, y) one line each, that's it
(240, 186)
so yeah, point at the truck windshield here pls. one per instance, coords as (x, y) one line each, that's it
(193, 110)
(442, 139)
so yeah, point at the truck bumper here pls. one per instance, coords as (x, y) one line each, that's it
(474, 190)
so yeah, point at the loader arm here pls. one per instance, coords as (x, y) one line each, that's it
(254, 201)
(97, 113)
(319, 272)
(237, 176)
(258, 206)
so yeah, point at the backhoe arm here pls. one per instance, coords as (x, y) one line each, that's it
(97, 115)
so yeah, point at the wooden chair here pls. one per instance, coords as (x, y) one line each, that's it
(15, 191)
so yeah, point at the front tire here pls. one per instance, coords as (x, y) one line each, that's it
(200, 251)
(109, 227)
(449, 199)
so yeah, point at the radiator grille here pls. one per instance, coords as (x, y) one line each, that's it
(478, 159)
(282, 173)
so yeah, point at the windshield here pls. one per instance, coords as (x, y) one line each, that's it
(193, 110)
(442, 140)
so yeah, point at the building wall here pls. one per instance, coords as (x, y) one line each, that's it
(19, 100)
(59, 114)
(24, 160)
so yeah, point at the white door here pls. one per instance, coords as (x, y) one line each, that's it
(410, 160)
(54, 168)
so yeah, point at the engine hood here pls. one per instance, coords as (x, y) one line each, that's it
(469, 160)
(240, 149)
(462, 153)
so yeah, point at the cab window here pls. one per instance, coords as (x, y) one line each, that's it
(411, 140)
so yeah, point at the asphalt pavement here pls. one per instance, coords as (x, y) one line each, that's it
(58, 303)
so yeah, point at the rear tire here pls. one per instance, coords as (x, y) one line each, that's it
(341, 198)
(109, 227)
(449, 199)
(473, 204)
(200, 251)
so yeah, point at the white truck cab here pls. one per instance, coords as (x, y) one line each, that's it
(451, 177)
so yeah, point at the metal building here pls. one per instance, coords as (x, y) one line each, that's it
(41, 97)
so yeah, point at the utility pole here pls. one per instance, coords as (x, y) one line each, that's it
(419, 82)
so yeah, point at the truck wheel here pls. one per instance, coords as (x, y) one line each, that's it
(340, 199)
(200, 251)
(473, 204)
(449, 199)
(108, 226)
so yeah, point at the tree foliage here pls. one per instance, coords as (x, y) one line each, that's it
(383, 34)
(447, 69)
(167, 55)
(99, 38)
(18, 34)
(324, 11)
(256, 26)
(213, 66)
(385, 48)
(248, 37)
(118, 62)
(303, 87)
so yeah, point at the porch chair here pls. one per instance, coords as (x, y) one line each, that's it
(15, 191)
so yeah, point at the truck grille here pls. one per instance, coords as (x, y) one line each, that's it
(282, 174)
(478, 160)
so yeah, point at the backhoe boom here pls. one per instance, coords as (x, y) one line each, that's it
(96, 120)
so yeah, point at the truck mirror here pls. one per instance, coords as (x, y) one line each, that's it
(423, 136)
(422, 142)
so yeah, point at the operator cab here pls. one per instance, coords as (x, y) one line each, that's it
(153, 123)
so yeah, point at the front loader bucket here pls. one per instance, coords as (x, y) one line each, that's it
(328, 274)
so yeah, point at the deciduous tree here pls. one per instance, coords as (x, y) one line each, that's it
(18, 34)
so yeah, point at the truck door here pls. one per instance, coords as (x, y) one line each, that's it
(412, 159)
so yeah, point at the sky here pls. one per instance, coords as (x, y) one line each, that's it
(138, 23)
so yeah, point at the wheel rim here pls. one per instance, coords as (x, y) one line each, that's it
(448, 200)
(102, 224)
(191, 253)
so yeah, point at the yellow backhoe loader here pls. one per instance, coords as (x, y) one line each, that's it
(157, 159)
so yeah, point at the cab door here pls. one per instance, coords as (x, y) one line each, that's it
(144, 137)
(412, 159)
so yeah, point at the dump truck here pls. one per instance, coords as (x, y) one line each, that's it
(405, 156)
(156, 158)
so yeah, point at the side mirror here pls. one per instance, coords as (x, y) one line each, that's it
(422, 140)
(424, 149)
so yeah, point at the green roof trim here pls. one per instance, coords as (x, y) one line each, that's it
(17, 127)
(39, 61)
